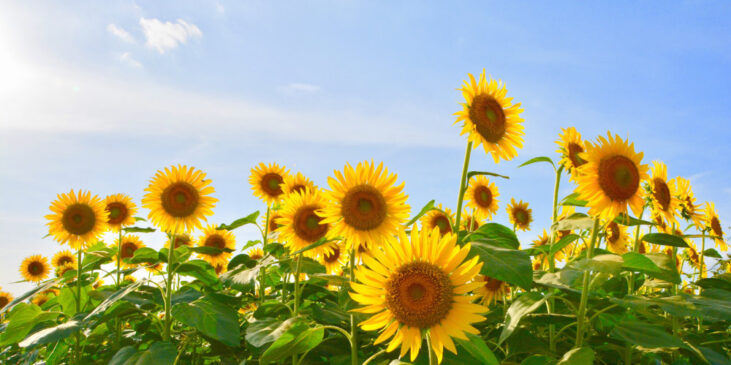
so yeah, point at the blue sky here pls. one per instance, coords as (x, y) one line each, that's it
(101, 95)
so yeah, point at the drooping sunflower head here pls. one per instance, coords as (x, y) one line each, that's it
(490, 118)
(617, 238)
(181, 239)
(255, 253)
(300, 224)
(491, 289)
(693, 256)
(520, 215)
(420, 283)
(35, 268)
(267, 181)
(333, 257)
(366, 205)
(5, 299)
(610, 179)
(77, 218)
(713, 225)
(179, 199)
(440, 218)
(662, 193)
(297, 183)
(121, 211)
(63, 269)
(39, 299)
(63, 257)
(482, 196)
(570, 147)
(216, 238)
(129, 245)
(470, 222)
(689, 210)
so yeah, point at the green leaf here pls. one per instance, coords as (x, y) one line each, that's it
(140, 219)
(249, 219)
(145, 255)
(41, 288)
(297, 339)
(627, 220)
(157, 353)
(638, 262)
(668, 270)
(645, 334)
(250, 243)
(714, 357)
(119, 294)
(212, 318)
(267, 330)
(525, 304)
(538, 159)
(318, 243)
(577, 221)
(722, 281)
(578, 356)
(511, 266)
(429, 206)
(664, 239)
(309, 266)
(538, 360)
(52, 334)
(138, 229)
(496, 234)
(711, 252)
(563, 242)
(22, 319)
(200, 270)
(573, 200)
(242, 275)
(476, 173)
(476, 347)
(609, 263)
(208, 250)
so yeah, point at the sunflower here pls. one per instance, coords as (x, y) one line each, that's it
(39, 299)
(63, 269)
(154, 269)
(5, 299)
(35, 268)
(97, 284)
(491, 289)
(566, 212)
(272, 225)
(520, 215)
(469, 222)
(617, 238)
(541, 241)
(366, 205)
(688, 209)
(662, 193)
(267, 182)
(659, 221)
(78, 219)
(300, 224)
(218, 238)
(570, 147)
(694, 258)
(297, 183)
(129, 279)
(179, 199)
(333, 258)
(121, 211)
(63, 257)
(440, 218)
(481, 195)
(181, 239)
(130, 244)
(490, 118)
(255, 253)
(221, 268)
(545, 239)
(419, 284)
(610, 178)
(678, 258)
(713, 225)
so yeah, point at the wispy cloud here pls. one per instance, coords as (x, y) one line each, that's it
(168, 36)
(219, 8)
(300, 88)
(127, 59)
(120, 33)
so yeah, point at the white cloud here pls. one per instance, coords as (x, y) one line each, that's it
(167, 36)
(299, 88)
(120, 33)
(128, 60)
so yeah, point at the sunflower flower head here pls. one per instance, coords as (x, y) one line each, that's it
(713, 225)
(419, 284)
(129, 244)
(181, 239)
(333, 257)
(77, 218)
(617, 238)
(440, 218)
(662, 193)
(216, 238)
(570, 147)
(297, 183)
(689, 210)
(63, 257)
(5, 299)
(121, 211)
(255, 253)
(35, 268)
(267, 182)
(301, 226)
(490, 118)
(63, 269)
(469, 222)
(491, 289)
(520, 215)
(482, 196)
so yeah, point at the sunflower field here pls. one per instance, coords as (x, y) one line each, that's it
(633, 270)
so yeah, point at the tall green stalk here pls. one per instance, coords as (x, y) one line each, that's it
(296, 294)
(551, 263)
(118, 339)
(169, 290)
(263, 274)
(353, 325)
(78, 304)
(581, 315)
(432, 355)
(462, 184)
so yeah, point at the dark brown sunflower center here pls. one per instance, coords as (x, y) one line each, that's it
(472, 223)
(716, 226)
(364, 207)
(332, 256)
(419, 294)
(619, 177)
(128, 249)
(64, 260)
(488, 117)
(219, 268)
(521, 216)
(442, 222)
(180, 199)
(307, 225)
(483, 196)
(36, 268)
(271, 183)
(255, 256)
(693, 255)
(299, 188)
(182, 240)
(78, 219)
(574, 150)
(117, 212)
(41, 300)
(563, 233)
(273, 224)
(3, 301)
(661, 193)
(492, 284)
(613, 232)
(217, 241)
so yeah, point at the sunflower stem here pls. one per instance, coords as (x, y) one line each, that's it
(78, 304)
(635, 249)
(462, 181)
(264, 248)
(551, 264)
(580, 316)
(353, 327)
(118, 339)
(432, 358)
(168, 290)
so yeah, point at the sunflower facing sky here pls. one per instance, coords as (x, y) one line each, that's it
(63, 257)
(570, 147)
(713, 224)
(78, 219)
(218, 238)
(296, 183)
(255, 253)
(267, 182)
(5, 299)
(610, 179)
(121, 211)
(520, 215)
(419, 285)
(300, 224)
(129, 245)
(440, 218)
(662, 193)
(482, 195)
(366, 205)
(490, 118)
(179, 199)
(35, 268)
